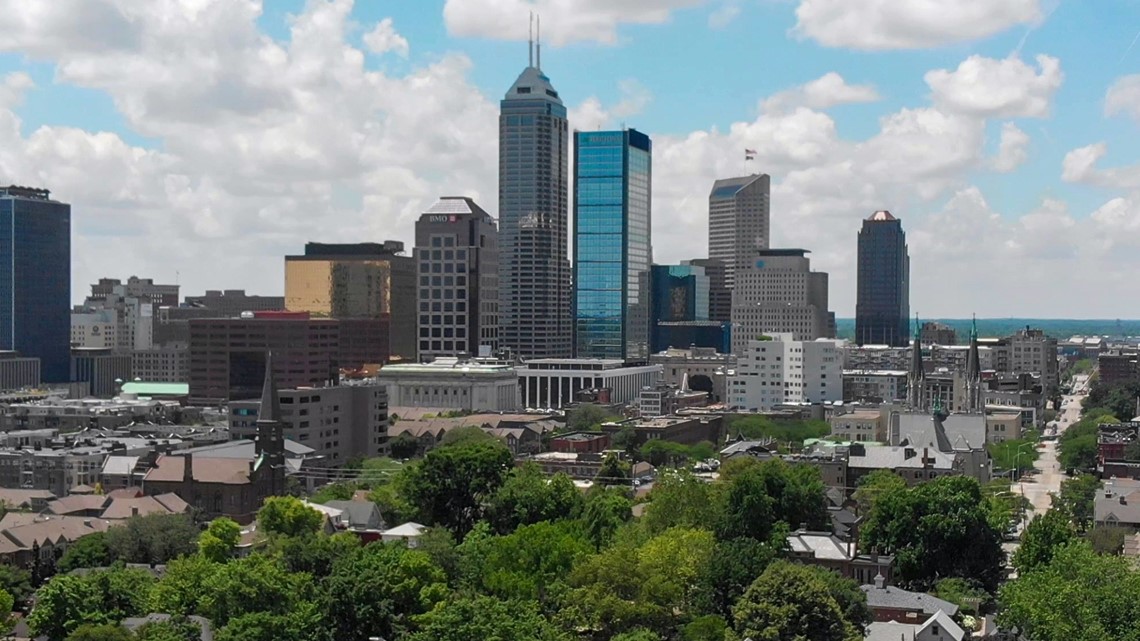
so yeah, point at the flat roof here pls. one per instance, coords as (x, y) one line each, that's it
(143, 388)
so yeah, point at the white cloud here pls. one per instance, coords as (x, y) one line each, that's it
(1123, 97)
(723, 15)
(997, 88)
(564, 21)
(826, 91)
(908, 24)
(592, 115)
(1079, 166)
(1011, 148)
(384, 38)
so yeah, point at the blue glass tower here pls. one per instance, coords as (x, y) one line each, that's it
(534, 273)
(612, 250)
(35, 279)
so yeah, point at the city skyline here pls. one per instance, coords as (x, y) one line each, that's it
(995, 138)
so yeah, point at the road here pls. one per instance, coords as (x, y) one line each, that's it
(1047, 477)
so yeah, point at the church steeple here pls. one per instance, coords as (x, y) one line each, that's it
(916, 378)
(270, 441)
(974, 400)
(270, 410)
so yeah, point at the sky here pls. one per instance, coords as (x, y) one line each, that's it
(199, 141)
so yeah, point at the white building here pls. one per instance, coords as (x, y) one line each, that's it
(552, 383)
(117, 323)
(784, 370)
(739, 210)
(874, 386)
(451, 383)
(778, 293)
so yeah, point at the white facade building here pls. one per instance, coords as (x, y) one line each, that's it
(552, 383)
(451, 383)
(783, 370)
(778, 293)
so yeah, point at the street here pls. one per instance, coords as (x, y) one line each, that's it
(1046, 478)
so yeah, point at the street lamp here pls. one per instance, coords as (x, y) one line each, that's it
(1017, 460)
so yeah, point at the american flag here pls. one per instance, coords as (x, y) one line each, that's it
(750, 154)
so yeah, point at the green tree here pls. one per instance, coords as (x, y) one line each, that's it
(679, 498)
(183, 586)
(89, 551)
(790, 602)
(1044, 535)
(637, 634)
(587, 416)
(524, 564)
(153, 538)
(466, 435)
(871, 486)
(967, 595)
(482, 618)
(614, 471)
(733, 565)
(176, 628)
(936, 530)
(15, 582)
(1078, 596)
(304, 623)
(1079, 453)
(100, 632)
(403, 446)
(452, 484)
(528, 496)
(605, 511)
(1117, 399)
(63, 604)
(220, 539)
(314, 555)
(7, 603)
(338, 491)
(705, 628)
(124, 592)
(376, 590)
(1076, 500)
(761, 495)
(256, 583)
(1107, 539)
(1015, 454)
(289, 516)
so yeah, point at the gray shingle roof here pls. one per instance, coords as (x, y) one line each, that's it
(897, 598)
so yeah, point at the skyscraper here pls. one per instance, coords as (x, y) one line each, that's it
(534, 273)
(779, 293)
(457, 261)
(882, 308)
(612, 252)
(738, 221)
(35, 279)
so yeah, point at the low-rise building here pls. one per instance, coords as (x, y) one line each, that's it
(576, 465)
(21, 538)
(687, 430)
(17, 371)
(553, 383)
(662, 400)
(581, 442)
(824, 549)
(75, 414)
(104, 370)
(169, 364)
(935, 627)
(779, 370)
(704, 366)
(1118, 504)
(860, 425)
(891, 603)
(341, 423)
(453, 384)
(874, 386)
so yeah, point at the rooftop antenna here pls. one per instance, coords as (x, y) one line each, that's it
(538, 44)
(530, 42)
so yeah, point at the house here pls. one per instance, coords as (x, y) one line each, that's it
(408, 532)
(78, 505)
(890, 603)
(937, 627)
(826, 550)
(34, 500)
(49, 535)
(117, 507)
(1118, 504)
(362, 518)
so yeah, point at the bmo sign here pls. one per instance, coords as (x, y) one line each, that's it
(442, 218)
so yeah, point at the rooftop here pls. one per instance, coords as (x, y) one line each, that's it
(143, 389)
(900, 599)
(881, 216)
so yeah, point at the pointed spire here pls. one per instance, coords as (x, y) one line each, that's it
(270, 411)
(530, 42)
(538, 43)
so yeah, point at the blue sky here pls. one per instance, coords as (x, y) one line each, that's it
(138, 140)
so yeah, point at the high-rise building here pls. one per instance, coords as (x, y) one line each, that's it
(882, 308)
(231, 302)
(778, 369)
(371, 286)
(35, 279)
(457, 263)
(778, 293)
(534, 273)
(143, 288)
(612, 251)
(738, 221)
(679, 310)
(720, 296)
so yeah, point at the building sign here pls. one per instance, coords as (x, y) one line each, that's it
(442, 218)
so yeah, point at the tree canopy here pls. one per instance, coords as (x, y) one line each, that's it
(451, 485)
(792, 602)
(289, 516)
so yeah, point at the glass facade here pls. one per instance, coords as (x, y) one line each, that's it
(612, 250)
(35, 279)
(534, 273)
(882, 307)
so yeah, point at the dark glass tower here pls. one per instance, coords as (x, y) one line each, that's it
(534, 273)
(612, 252)
(35, 279)
(882, 307)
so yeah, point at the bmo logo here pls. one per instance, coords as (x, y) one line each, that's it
(440, 218)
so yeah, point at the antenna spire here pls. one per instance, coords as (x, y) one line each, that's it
(530, 42)
(538, 45)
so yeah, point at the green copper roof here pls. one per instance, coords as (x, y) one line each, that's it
(141, 388)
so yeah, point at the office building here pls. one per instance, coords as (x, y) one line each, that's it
(371, 284)
(778, 293)
(135, 287)
(874, 386)
(161, 364)
(720, 296)
(779, 370)
(882, 307)
(534, 273)
(18, 372)
(341, 423)
(116, 321)
(935, 333)
(227, 355)
(678, 298)
(35, 278)
(103, 370)
(738, 221)
(452, 384)
(612, 252)
(457, 262)
(553, 383)
(232, 302)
